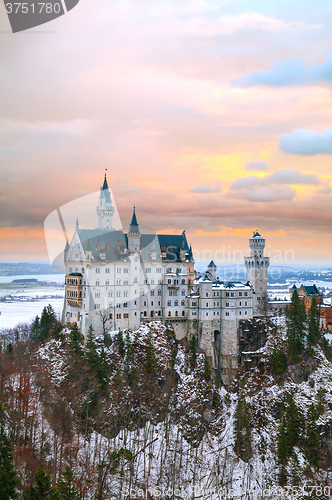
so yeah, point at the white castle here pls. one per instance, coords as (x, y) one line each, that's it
(117, 280)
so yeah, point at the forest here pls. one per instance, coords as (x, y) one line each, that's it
(136, 414)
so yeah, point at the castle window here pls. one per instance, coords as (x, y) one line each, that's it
(145, 282)
(125, 304)
(135, 303)
(118, 282)
(169, 313)
(107, 246)
(152, 282)
(176, 313)
(227, 294)
(227, 304)
(158, 302)
(107, 270)
(152, 292)
(97, 295)
(258, 298)
(169, 303)
(125, 293)
(227, 313)
(207, 295)
(240, 294)
(240, 313)
(110, 294)
(107, 283)
(207, 314)
(97, 270)
(245, 312)
(169, 282)
(152, 303)
(144, 304)
(126, 315)
(159, 313)
(70, 269)
(218, 304)
(183, 303)
(240, 303)
(97, 306)
(126, 282)
(246, 294)
(159, 292)
(183, 293)
(193, 304)
(97, 283)
(118, 270)
(82, 270)
(110, 304)
(169, 270)
(232, 294)
(246, 303)
(145, 313)
(207, 305)
(126, 269)
(118, 306)
(118, 293)
(118, 316)
(111, 316)
(183, 313)
(183, 282)
(135, 280)
(97, 247)
(158, 270)
(148, 270)
(176, 303)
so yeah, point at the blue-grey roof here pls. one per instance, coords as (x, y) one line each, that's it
(133, 229)
(212, 264)
(105, 191)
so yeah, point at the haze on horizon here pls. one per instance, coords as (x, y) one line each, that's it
(213, 117)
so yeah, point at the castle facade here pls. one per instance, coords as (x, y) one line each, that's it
(117, 280)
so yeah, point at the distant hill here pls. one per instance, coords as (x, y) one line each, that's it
(25, 268)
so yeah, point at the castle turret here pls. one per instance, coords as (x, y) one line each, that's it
(212, 269)
(257, 265)
(134, 236)
(105, 209)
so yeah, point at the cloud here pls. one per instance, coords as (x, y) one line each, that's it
(204, 188)
(289, 72)
(259, 166)
(325, 190)
(131, 190)
(270, 194)
(273, 187)
(307, 142)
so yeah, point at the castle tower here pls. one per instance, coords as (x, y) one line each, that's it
(105, 209)
(257, 265)
(134, 236)
(212, 268)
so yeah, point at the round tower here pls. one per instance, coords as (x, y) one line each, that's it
(257, 265)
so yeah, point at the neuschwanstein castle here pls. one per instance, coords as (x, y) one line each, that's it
(120, 280)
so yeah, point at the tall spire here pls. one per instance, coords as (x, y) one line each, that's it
(133, 229)
(105, 209)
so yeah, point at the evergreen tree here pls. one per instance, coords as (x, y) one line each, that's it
(130, 367)
(66, 486)
(75, 340)
(8, 476)
(193, 351)
(91, 354)
(294, 425)
(295, 327)
(120, 342)
(48, 324)
(242, 431)
(278, 361)
(282, 452)
(313, 327)
(295, 469)
(43, 489)
(102, 371)
(151, 363)
(312, 444)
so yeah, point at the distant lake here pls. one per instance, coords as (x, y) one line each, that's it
(13, 313)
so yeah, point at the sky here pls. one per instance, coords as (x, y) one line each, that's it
(210, 116)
